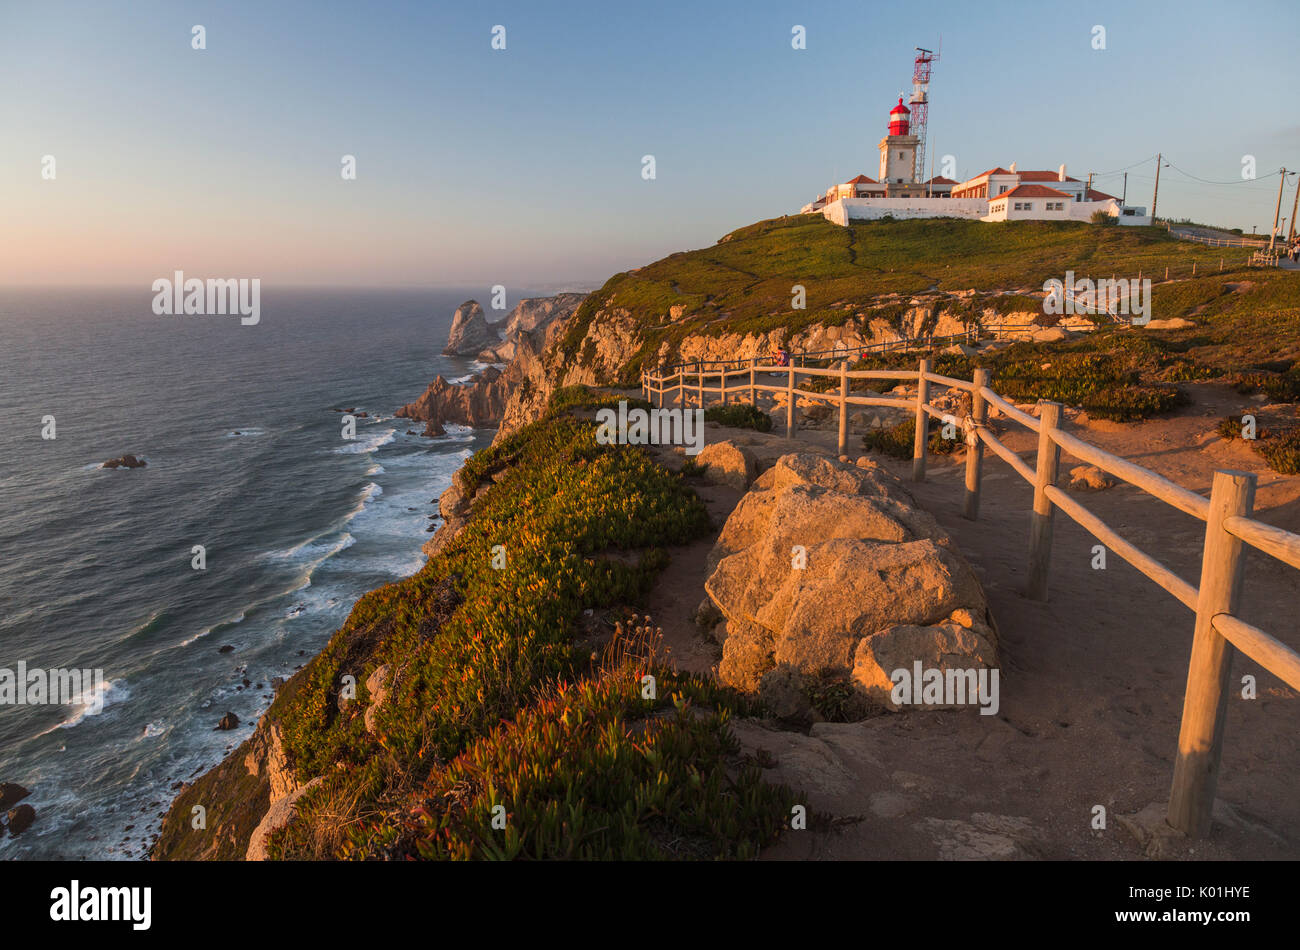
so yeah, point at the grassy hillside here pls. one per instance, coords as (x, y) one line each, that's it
(516, 722)
(743, 283)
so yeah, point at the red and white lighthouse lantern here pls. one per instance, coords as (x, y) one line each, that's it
(899, 119)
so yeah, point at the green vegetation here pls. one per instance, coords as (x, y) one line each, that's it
(739, 416)
(494, 695)
(1113, 374)
(1280, 449)
(595, 771)
(1282, 452)
(899, 440)
(743, 283)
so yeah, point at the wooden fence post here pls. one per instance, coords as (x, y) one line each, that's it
(789, 404)
(753, 393)
(979, 412)
(722, 385)
(922, 423)
(1040, 530)
(844, 408)
(1200, 738)
(699, 366)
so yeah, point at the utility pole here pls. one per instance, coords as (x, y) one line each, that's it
(1160, 158)
(1124, 200)
(1088, 187)
(1272, 235)
(1295, 206)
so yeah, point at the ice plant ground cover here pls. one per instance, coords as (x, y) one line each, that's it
(496, 699)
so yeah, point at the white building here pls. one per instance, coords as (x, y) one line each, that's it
(999, 194)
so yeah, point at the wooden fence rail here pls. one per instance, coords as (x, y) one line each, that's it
(1217, 632)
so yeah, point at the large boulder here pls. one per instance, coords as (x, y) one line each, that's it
(470, 331)
(943, 646)
(728, 464)
(826, 566)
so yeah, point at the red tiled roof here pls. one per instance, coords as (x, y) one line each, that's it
(940, 180)
(861, 180)
(1095, 195)
(1043, 176)
(992, 171)
(1031, 191)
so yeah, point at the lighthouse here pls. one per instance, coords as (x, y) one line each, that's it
(898, 154)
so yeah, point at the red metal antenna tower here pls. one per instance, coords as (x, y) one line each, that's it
(920, 101)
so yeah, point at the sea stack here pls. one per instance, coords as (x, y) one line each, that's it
(470, 331)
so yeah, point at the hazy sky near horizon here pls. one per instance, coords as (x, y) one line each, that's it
(523, 166)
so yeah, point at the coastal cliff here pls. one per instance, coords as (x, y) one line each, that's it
(436, 703)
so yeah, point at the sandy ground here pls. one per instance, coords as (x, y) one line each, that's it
(1091, 684)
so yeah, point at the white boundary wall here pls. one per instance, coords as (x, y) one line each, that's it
(868, 209)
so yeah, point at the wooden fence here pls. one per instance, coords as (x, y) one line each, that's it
(1226, 513)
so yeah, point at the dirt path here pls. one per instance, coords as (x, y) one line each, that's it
(1092, 681)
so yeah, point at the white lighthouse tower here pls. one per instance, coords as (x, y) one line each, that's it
(898, 154)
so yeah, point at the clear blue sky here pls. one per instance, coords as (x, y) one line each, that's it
(523, 166)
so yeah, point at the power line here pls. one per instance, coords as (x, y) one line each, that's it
(1234, 181)
(1125, 168)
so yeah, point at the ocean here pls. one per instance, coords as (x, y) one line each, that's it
(245, 458)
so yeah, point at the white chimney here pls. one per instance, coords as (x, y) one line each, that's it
(1012, 169)
(1061, 175)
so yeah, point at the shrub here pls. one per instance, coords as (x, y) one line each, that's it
(739, 416)
(1102, 218)
(1281, 451)
(1133, 403)
(899, 440)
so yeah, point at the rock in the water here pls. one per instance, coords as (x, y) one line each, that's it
(470, 331)
(728, 464)
(125, 461)
(822, 556)
(228, 721)
(11, 794)
(478, 403)
(21, 818)
(226, 649)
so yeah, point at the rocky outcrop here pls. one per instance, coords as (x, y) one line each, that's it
(478, 403)
(728, 464)
(470, 331)
(825, 567)
(125, 461)
(281, 812)
(453, 508)
(520, 391)
(11, 794)
(530, 314)
(19, 819)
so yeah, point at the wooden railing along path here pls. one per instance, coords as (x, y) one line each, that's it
(1217, 632)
